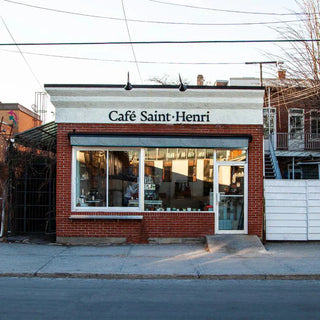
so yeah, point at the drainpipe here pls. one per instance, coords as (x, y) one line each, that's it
(2, 215)
(292, 168)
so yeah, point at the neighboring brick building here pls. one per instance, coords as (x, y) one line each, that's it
(19, 117)
(155, 164)
(292, 120)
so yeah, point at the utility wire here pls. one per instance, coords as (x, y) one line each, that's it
(155, 21)
(229, 11)
(159, 42)
(24, 58)
(127, 61)
(129, 35)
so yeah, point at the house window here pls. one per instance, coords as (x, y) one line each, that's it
(269, 122)
(146, 179)
(296, 124)
(315, 124)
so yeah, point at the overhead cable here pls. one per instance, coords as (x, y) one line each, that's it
(227, 10)
(159, 42)
(129, 35)
(155, 21)
(126, 61)
(23, 57)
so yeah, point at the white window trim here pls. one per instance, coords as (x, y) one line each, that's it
(317, 111)
(245, 208)
(74, 208)
(293, 112)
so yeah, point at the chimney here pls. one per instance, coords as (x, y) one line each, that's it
(281, 74)
(200, 80)
(221, 83)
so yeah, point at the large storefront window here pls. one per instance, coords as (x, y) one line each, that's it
(123, 178)
(178, 179)
(148, 179)
(91, 179)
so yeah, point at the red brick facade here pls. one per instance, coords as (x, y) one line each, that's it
(155, 224)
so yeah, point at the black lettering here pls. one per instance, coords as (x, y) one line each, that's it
(180, 117)
(111, 115)
(196, 118)
(143, 116)
(133, 116)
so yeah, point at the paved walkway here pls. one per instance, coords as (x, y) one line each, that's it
(292, 260)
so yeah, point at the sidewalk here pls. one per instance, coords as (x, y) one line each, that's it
(291, 260)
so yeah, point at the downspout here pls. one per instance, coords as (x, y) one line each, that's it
(2, 215)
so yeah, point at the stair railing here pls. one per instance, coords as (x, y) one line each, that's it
(274, 160)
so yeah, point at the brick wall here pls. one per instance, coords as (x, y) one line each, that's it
(155, 224)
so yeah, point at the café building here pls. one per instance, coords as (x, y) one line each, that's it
(154, 164)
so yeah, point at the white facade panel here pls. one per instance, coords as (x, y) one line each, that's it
(285, 209)
(290, 203)
(286, 237)
(287, 223)
(143, 105)
(292, 209)
(274, 196)
(285, 216)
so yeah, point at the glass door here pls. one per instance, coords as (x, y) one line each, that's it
(231, 206)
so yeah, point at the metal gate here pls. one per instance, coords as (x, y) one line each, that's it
(33, 193)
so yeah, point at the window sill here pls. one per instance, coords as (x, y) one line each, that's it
(104, 217)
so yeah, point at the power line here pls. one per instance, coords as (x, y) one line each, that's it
(126, 61)
(129, 35)
(159, 42)
(226, 10)
(154, 21)
(23, 57)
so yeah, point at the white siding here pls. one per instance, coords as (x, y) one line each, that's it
(292, 209)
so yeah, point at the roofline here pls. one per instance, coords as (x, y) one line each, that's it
(18, 106)
(121, 86)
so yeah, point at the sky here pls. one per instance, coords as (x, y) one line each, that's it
(25, 69)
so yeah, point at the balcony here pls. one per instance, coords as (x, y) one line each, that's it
(297, 142)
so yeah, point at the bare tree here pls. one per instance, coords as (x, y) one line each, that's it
(302, 57)
(166, 80)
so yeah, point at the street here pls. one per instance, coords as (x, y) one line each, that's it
(41, 298)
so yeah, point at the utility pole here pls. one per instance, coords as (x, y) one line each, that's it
(262, 63)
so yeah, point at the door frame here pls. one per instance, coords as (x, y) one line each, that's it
(271, 117)
(245, 197)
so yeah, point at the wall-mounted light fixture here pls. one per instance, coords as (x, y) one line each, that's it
(182, 87)
(128, 86)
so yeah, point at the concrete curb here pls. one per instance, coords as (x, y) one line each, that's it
(163, 276)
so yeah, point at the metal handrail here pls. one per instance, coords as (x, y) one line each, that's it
(306, 141)
(274, 158)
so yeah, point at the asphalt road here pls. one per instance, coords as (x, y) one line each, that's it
(40, 298)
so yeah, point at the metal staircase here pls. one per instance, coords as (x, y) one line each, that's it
(269, 171)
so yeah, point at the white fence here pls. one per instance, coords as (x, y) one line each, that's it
(292, 209)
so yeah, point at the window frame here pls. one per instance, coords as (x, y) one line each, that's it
(75, 208)
(315, 136)
(295, 112)
(141, 150)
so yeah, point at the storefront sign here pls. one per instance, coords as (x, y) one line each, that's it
(154, 116)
